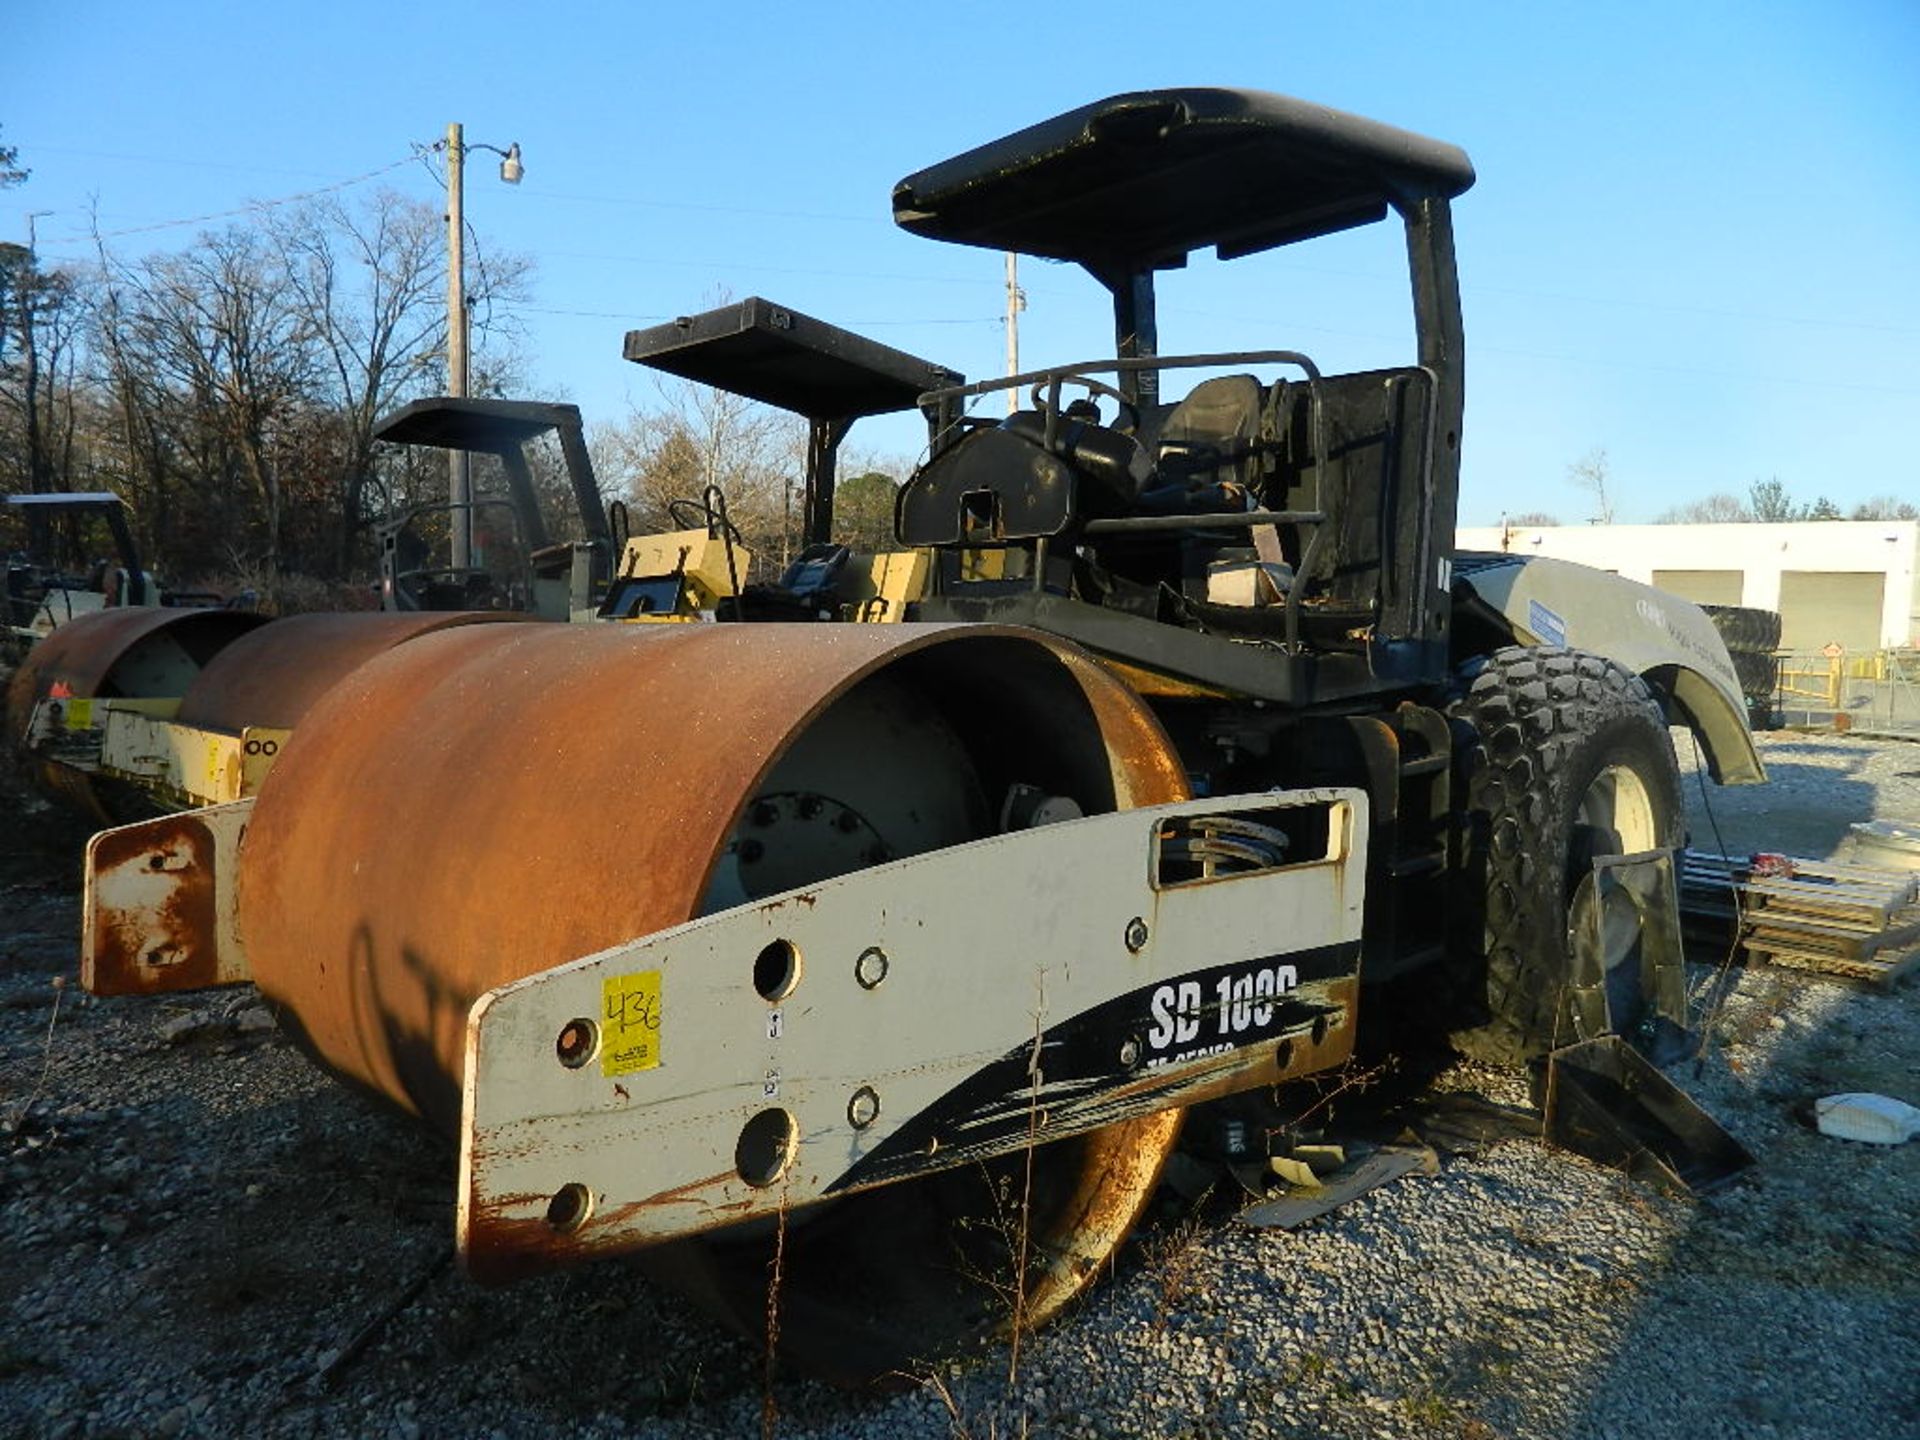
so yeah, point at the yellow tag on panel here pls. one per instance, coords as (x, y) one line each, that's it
(630, 1023)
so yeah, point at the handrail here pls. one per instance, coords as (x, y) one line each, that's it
(1225, 520)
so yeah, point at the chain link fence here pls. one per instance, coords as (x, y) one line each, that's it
(1874, 691)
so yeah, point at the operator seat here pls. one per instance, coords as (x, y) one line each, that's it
(1208, 459)
(1210, 436)
(1214, 458)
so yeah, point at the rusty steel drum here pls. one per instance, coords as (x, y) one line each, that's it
(480, 804)
(273, 677)
(137, 652)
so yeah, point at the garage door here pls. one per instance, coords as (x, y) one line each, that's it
(1703, 587)
(1820, 607)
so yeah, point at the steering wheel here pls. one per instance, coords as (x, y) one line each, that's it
(704, 518)
(418, 583)
(1041, 389)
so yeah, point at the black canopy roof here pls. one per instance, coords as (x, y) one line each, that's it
(452, 423)
(778, 356)
(1139, 180)
(67, 500)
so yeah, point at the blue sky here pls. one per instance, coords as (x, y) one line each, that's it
(1695, 240)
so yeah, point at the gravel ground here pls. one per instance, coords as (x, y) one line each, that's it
(194, 1225)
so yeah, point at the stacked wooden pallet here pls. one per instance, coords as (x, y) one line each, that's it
(1856, 921)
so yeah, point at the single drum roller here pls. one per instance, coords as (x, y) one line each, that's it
(273, 677)
(137, 653)
(480, 805)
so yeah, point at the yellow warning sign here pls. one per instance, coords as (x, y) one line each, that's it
(630, 1022)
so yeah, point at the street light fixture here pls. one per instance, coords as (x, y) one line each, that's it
(459, 479)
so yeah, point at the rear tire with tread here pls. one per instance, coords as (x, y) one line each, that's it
(1743, 628)
(1548, 739)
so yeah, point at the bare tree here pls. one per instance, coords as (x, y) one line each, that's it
(1719, 508)
(229, 389)
(367, 289)
(245, 374)
(17, 272)
(1534, 518)
(134, 445)
(699, 436)
(1885, 507)
(1591, 472)
(41, 310)
(224, 327)
(648, 460)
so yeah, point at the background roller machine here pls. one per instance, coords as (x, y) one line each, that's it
(899, 948)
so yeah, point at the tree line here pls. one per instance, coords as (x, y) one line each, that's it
(1766, 501)
(692, 436)
(228, 391)
(1770, 501)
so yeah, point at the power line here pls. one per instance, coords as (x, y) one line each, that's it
(170, 161)
(1616, 301)
(1798, 381)
(732, 266)
(424, 152)
(515, 306)
(994, 320)
(688, 205)
(250, 208)
(1610, 301)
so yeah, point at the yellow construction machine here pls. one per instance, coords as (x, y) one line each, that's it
(902, 948)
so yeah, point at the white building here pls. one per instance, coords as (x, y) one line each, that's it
(1854, 582)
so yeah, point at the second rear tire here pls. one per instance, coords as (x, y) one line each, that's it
(1565, 757)
(1746, 629)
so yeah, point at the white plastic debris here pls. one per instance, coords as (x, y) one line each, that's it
(1876, 1119)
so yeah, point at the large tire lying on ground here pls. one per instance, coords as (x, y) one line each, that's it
(1742, 628)
(1758, 673)
(1565, 756)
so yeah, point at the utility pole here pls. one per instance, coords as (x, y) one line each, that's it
(459, 477)
(1016, 302)
(30, 353)
(37, 477)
